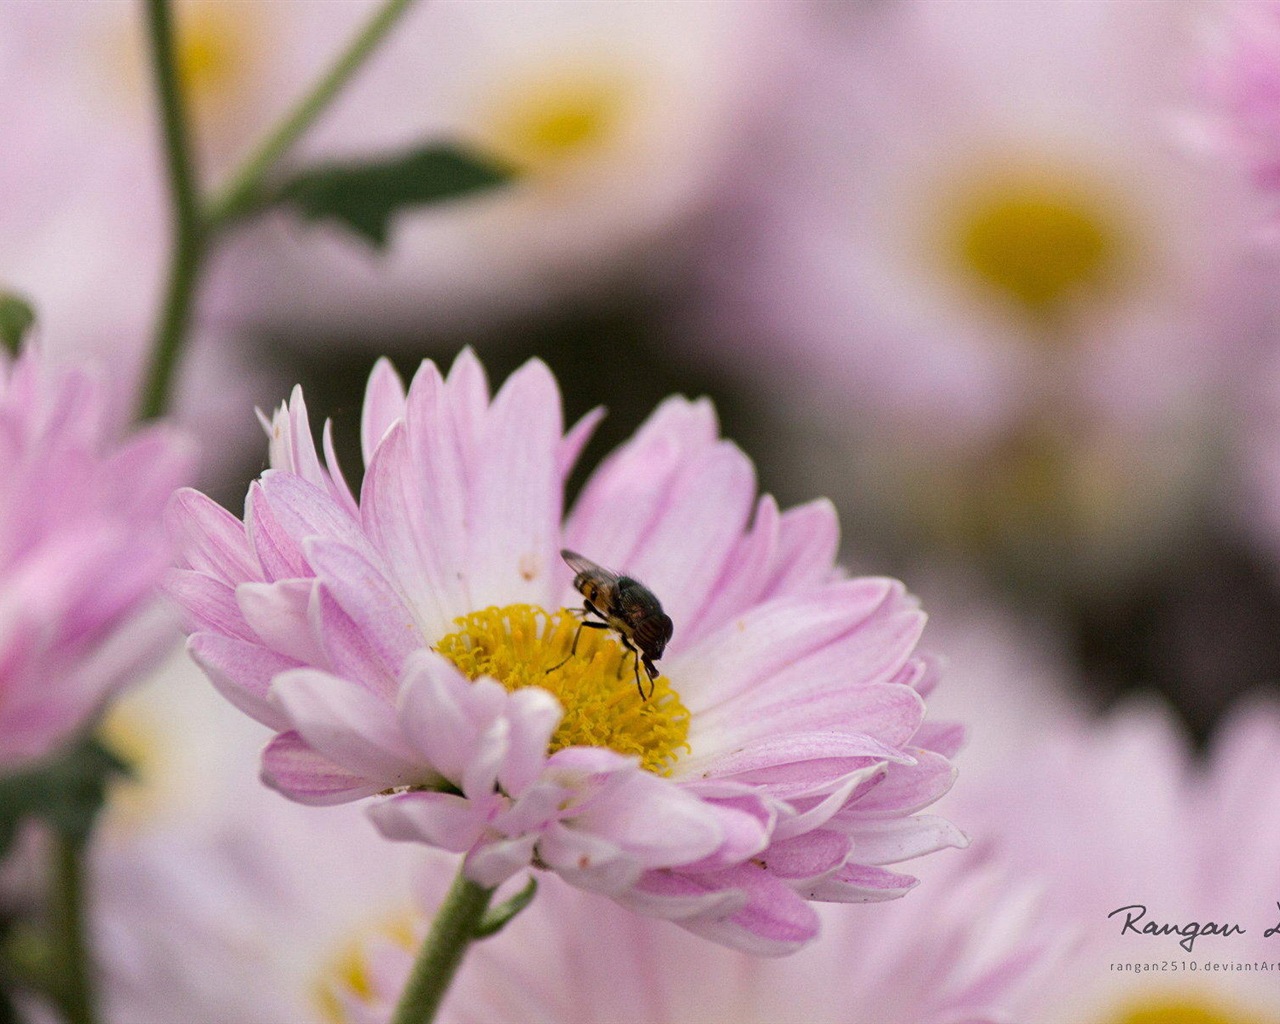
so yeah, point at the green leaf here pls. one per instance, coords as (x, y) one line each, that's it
(365, 195)
(16, 318)
(500, 916)
(67, 792)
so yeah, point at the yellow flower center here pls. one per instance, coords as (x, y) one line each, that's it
(1037, 239)
(131, 734)
(349, 973)
(218, 57)
(1189, 1008)
(522, 645)
(548, 120)
(215, 50)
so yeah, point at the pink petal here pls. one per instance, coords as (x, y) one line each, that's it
(144, 470)
(413, 510)
(772, 751)
(945, 738)
(516, 493)
(623, 495)
(677, 897)
(467, 388)
(743, 577)
(438, 819)
(338, 485)
(276, 551)
(867, 656)
(207, 603)
(487, 754)
(304, 510)
(890, 842)
(808, 811)
(349, 726)
(300, 456)
(442, 714)
(857, 883)
(294, 769)
(348, 651)
(744, 827)
(241, 672)
(808, 539)
(492, 863)
(668, 512)
(889, 715)
(588, 861)
(807, 856)
(907, 789)
(361, 589)
(534, 715)
(277, 614)
(575, 440)
(210, 538)
(383, 405)
(767, 639)
(774, 922)
(627, 813)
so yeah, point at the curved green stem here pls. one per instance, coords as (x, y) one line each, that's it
(71, 950)
(456, 926)
(195, 228)
(244, 193)
(188, 230)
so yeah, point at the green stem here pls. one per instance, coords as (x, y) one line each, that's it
(193, 232)
(71, 951)
(453, 930)
(188, 231)
(244, 193)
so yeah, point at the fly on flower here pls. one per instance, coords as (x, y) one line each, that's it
(626, 606)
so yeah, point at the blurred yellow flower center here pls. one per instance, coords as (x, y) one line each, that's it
(214, 45)
(1034, 239)
(133, 736)
(547, 120)
(522, 645)
(1191, 1009)
(218, 49)
(348, 976)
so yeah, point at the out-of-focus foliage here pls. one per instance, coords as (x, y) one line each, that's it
(365, 195)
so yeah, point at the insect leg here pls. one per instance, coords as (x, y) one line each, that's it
(584, 624)
(635, 664)
(651, 670)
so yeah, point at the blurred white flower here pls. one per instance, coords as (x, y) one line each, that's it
(963, 952)
(1116, 815)
(990, 269)
(85, 216)
(616, 117)
(217, 900)
(1008, 675)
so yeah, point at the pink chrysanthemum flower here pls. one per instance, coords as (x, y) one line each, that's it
(413, 643)
(82, 550)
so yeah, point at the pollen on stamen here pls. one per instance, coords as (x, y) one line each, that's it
(518, 644)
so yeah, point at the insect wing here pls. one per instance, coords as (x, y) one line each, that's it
(585, 568)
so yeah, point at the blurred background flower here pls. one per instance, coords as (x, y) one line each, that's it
(1009, 301)
(963, 953)
(1189, 843)
(82, 552)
